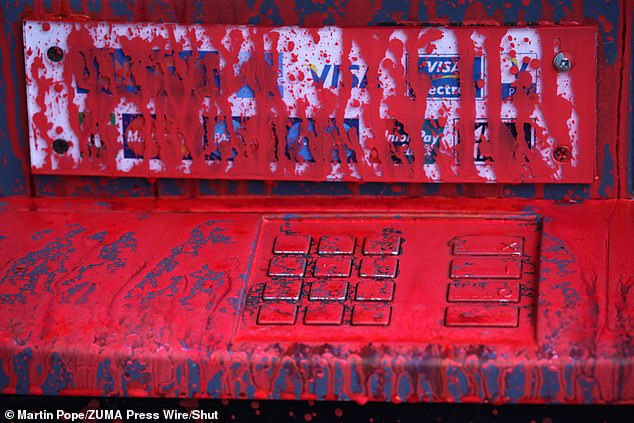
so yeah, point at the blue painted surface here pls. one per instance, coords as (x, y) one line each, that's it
(610, 11)
(575, 192)
(457, 383)
(105, 381)
(321, 383)
(12, 178)
(59, 378)
(205, 281)
(404, 386)
(21, 363)
(607, 172)
(134, 371)
(588, 386)
(122, 8)
(492, 376)
(4, 377)
(269, 9)
(514, 384)
(520, 191)
(43, 266)
(78, 288)
(203, 234)
(532, 12)
(569, 372)
(171, 188)
(387, 384)
(550, 383)
(95, 187)
(214, 386)
(339, 383)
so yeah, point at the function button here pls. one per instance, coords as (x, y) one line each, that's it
(333, 267)
(489, 291)
(498, 267)
(324, 314)
(382, 245)
(282, 289)
(292, 244)
(378, 267)
(287, 266)
(482, 316)
(277, 314)
(488, 245)
(328, 290)
(329, 245)
(371, 314)
(375, 291)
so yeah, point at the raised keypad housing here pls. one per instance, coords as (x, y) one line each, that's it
(392, 279)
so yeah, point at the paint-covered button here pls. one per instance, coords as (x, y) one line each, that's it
(371, 314)
(282, 289)
(333, 267)
(474, 290)
(287, 266)
(488, 245)
(277, 314)
(497, 267)
(324, 314)
(482, 316)
(382, 245)
(292, 244)
(328, 290)
(378, 267)
(336, 245)
(375, 291)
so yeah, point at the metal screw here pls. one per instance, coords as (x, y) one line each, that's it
(60, 146)
(562, 63)
(562, 154)
(55, 54)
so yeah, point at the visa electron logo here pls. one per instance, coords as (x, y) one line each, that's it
(444, 74)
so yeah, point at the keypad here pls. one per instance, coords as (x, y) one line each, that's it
(338, 279)
(407, 279)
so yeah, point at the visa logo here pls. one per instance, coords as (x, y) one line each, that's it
(442, 66)
(329, 75)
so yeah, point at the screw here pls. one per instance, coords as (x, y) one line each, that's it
(562, 154)
(55, 54)
(562, 63)
(60, 146)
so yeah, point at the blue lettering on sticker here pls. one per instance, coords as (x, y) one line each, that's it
(133, 125)
(297, 144)
(350, 126)
(444, 73)
(431, 133)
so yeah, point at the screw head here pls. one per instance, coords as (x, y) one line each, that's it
(562, 154)
(562, 62)
(55, 54)
(60, 146)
